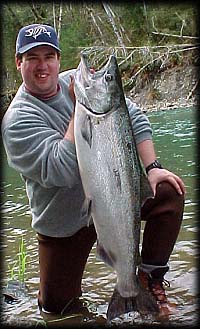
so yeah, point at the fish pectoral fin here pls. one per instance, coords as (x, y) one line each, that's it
(108, 257)
(86, 130)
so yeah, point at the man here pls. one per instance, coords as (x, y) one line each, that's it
(38, 135)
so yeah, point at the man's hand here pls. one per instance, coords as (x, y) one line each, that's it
(71, 90)
(70, 130)
(156, 176)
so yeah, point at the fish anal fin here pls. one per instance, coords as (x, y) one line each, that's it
(107, 256)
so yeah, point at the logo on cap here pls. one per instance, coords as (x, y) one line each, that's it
(36, 31)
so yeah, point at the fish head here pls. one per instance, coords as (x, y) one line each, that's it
(100, 92)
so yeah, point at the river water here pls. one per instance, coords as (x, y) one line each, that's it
(175, 143)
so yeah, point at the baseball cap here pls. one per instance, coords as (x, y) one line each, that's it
(35, 35)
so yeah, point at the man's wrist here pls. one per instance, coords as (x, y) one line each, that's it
(153, 165)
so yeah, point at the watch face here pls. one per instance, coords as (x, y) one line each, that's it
(156, 164)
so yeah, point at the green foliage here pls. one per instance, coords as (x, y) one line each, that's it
(18, 269)
(73, 36)
(132, 17)
(87, 24)
(169, 18)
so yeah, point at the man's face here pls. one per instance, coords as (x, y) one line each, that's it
(39, 68)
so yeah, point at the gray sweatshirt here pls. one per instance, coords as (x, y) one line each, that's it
(33, 134)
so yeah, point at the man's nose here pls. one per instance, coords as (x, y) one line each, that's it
(42, 64)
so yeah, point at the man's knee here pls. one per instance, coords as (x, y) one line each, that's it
(166, 194)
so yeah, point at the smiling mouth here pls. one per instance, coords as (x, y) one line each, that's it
(42, 75)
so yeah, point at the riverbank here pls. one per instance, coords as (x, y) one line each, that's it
(175, 87)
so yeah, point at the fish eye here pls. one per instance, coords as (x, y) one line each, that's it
(108, 77)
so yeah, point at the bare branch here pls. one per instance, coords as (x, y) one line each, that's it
(146, 17)
(192, 91)
(60, 20)
(176, 35)
(152, 19)
(95, 22)
(54, 17)
(111, 16)
(170, 34)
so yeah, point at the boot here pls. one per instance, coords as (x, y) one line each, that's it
(154, 282)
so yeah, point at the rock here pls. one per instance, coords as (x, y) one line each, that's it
(172, 88)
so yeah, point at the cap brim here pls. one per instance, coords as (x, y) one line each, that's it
(24, 49)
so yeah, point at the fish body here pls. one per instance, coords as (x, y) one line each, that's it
(112, 179)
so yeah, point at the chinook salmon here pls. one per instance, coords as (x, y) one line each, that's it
(113, 180)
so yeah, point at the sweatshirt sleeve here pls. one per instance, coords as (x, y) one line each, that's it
(141, 126)
(37, 151)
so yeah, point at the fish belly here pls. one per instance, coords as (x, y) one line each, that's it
(106, 170)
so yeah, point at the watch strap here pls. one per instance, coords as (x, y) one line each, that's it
(153, 165)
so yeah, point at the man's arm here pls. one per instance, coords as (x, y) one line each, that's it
(155, 176)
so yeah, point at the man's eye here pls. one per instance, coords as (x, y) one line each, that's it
(30, 58)
(50, 56)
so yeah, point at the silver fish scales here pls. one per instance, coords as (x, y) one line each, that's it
(113, 180)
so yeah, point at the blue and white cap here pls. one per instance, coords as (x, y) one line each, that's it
(35, 35)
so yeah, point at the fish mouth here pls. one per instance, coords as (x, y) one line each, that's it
(111, 63)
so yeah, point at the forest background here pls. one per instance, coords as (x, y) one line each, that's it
(156, 45)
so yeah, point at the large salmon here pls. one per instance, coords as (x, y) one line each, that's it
(113, 179)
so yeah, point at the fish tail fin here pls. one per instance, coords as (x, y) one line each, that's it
(143, 303)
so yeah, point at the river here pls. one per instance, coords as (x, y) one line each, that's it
(175, 142)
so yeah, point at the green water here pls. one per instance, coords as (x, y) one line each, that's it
(175, 143)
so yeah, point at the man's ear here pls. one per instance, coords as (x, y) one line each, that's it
(18, 62)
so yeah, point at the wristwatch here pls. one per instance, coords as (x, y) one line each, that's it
(153, 165)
